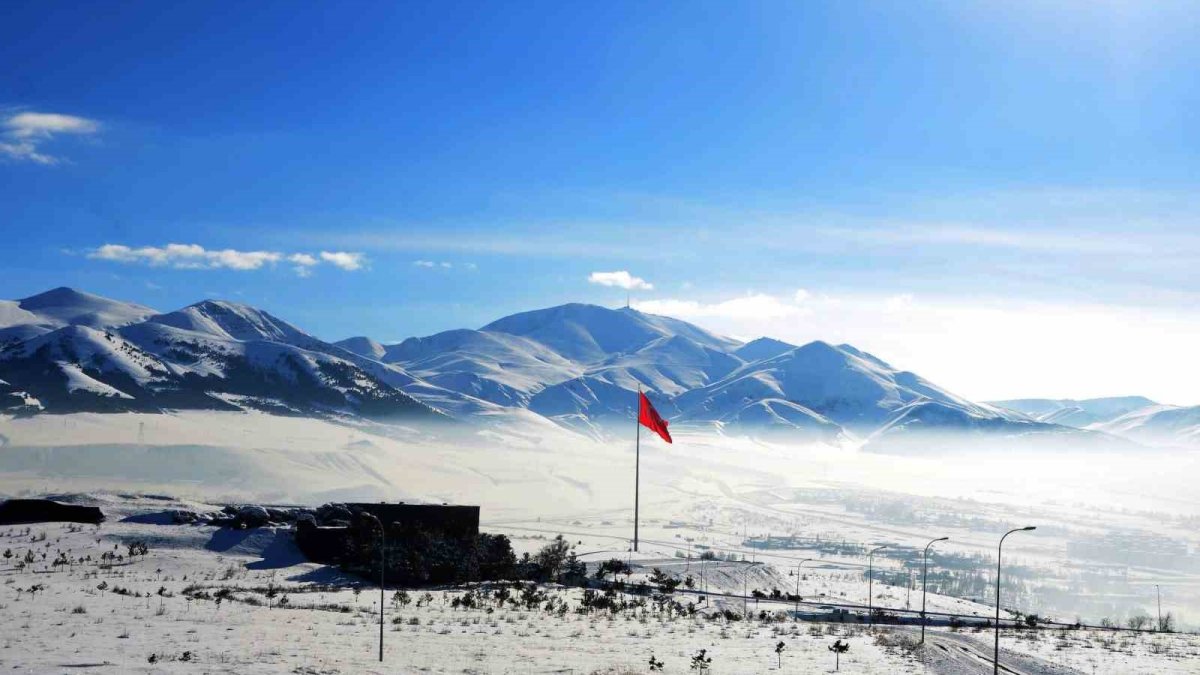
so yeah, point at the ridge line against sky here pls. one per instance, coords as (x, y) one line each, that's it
(1001, 198)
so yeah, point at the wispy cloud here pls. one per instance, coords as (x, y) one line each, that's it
(25, 133)
(345, 260)
(755, 306)
(620, 279)
(197, 257)
(302, 264)
(444, 264)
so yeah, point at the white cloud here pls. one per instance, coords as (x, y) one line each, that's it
(756, 307)
(186, 256)
(980, 347)
(620, 279)
(196, 257)
(302, 264)
(898, 303)
(24, 133)
(302, 259)
(444, 264)
(345, 260)
(800, 296)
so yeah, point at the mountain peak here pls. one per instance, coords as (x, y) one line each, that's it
(762, 348)
(57, 296)
(67, 306)
(363, 346)
(591, 333)
(231, 320)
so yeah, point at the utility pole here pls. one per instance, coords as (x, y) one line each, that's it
(871, 585)
(925, 583)
(999, 551)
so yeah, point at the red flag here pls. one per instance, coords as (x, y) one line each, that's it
(649, 418)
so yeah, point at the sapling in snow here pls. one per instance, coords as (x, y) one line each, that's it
(838, 648)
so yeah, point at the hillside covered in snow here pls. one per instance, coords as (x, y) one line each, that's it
(577, 365)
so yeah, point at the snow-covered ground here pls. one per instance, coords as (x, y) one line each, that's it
(1110, 528)
(91, 618)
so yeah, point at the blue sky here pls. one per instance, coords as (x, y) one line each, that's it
(1000, 196)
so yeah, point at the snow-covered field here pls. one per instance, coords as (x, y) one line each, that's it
(91, 618)
(1110, 529)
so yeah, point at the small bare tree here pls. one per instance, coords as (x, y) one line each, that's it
(838, 648)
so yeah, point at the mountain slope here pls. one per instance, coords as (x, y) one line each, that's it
(39, 314)
(212, 355)
(577, 365)
(1076, 413)
(363, 346)
(1161, 425)
(843, 385)
(589, 334)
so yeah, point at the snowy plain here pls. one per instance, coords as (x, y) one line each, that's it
(534, 479)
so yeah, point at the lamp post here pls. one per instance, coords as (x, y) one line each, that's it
(871, 585)
(745, 587)
(800, 564)
(382, 565)
(925, 582)
(999, 551)
(1158, 591)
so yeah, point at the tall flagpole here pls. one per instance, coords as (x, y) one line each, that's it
(637, 470)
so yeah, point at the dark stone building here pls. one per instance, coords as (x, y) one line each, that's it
(22, 511)
(328, 537)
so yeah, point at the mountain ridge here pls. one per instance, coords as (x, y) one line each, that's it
(575, 364)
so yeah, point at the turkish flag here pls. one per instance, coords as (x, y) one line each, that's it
(649, 418)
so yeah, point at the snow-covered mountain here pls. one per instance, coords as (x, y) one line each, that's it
(1136, 418)
(819, 386)
(580, 365)
(109, 356)
(577, 365)
(54, 309)
(1161, 425)
(1076, 413)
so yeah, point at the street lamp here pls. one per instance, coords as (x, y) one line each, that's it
(999, 550)
(382, 566)
(1159, 592)
(745, 606)
(871, 585)
(798, 566)
(924, 583)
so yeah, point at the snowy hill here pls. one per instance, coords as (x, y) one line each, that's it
(1161, 425)
(363, 346)
(494, 366)
(589, 334)
(45, 312)
(577, 365)
(837, 384)
(1076, 413)
(211, 356)
(762, 348)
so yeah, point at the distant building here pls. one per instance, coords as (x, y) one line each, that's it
(21, 511)
(327, 539)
